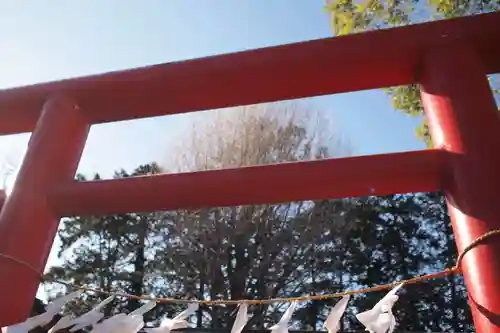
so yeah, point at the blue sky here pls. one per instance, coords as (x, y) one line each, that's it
(72, 38)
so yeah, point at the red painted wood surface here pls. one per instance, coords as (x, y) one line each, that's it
(320, 67)
(28, 224)
(464, 121)
(334, 178)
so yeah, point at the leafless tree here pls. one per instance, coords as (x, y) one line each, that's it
(257, 251)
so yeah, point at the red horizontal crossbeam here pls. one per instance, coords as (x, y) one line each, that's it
(325, 66)
(417, 171)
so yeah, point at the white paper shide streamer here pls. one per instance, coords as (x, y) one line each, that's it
(124, 323)
(177, 322)
(87, 319)
(380, 318)
(90, 318)
(241, 318)
(53, 308)
(282, 325)
(332, 322)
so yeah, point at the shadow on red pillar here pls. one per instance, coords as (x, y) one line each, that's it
(463, 120)
(27, 222)
(3, 197)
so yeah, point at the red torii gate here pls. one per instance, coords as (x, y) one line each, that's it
(450, 60)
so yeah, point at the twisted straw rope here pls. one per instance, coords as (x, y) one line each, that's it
(449, 271)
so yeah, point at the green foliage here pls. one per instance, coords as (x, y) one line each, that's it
(348, 16)
(108, 252)
(352, 16)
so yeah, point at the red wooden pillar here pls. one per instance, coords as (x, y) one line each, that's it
(464, 121)
(27, 223)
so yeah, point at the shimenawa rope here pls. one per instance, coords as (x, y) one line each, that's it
(449, 271)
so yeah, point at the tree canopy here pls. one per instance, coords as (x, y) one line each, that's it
(352, 16)
(262, 251)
